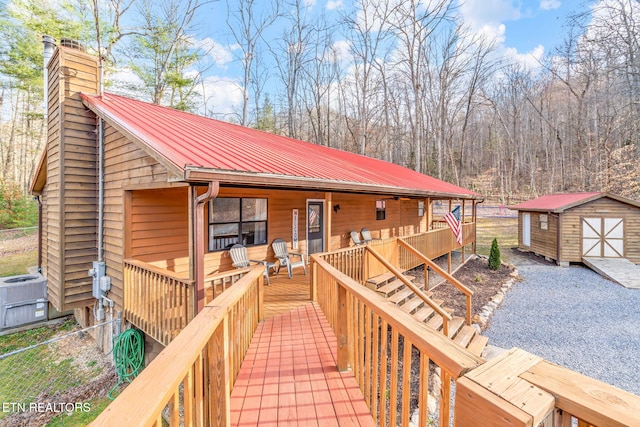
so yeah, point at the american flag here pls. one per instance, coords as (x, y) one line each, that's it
(453, 221)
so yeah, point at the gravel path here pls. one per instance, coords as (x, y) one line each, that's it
(575, 318)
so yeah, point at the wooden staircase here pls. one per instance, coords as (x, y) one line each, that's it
(396, 292)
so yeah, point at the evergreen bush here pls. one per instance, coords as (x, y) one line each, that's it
(16, 208)
(494, 256)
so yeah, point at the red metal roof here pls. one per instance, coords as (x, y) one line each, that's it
(187, 140)
(557, 202)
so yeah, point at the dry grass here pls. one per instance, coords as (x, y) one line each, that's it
(505, 229)
(18, 254)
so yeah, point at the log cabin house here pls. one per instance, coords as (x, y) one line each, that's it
(130, 190)
(567, 227)
(149, 198)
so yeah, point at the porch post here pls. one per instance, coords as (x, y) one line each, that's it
(474, 218)
(197, 238)
(328, 207)
(463, 219)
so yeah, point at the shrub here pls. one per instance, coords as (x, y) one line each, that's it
(494, 256)
(16, 208)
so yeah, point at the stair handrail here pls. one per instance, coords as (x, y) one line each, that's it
(455, 282)
(446, 317)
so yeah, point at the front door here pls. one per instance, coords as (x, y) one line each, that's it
(315, 226)
(603, 237)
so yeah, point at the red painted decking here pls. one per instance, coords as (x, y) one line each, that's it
(289, 376)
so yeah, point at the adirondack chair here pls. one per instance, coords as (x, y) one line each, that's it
(240, 259)
(356, 238)
(284, 257)
(366, 235)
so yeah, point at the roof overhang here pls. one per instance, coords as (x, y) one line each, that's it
(199, 174)
(39, 178)
(561, 209)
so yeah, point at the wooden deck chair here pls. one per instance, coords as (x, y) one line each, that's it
(240, 259)
(356, 238)
(366, 235)
(284, 257)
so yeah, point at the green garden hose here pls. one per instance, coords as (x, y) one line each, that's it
(128, 354)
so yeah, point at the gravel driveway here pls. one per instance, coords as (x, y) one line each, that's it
(573, 317)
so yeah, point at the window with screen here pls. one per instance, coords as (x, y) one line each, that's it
(237, 220)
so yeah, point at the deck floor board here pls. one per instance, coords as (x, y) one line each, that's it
(290, 376)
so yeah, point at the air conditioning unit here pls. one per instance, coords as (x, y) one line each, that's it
(23, 299)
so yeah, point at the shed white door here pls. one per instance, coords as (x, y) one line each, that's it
(603, 237)
(526, 229)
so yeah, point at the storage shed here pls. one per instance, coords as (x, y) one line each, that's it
(569, 226)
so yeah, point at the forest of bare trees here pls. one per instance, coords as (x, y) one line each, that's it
(404, 81)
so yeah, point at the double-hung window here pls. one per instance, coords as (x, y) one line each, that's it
(381, 210)
(235, 220)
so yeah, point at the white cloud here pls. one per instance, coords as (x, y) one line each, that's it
(530, 59)
(221, 55)
(549, 4)
(488, 18)
(334, 4)
(222, 97)
(483, 14)
(342, 50)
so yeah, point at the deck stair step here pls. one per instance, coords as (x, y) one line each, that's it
(424, 313)
(455, 325)
(395, 291)
(380, 280)
(400, 296)
(477, 344)
(435, 322)
(413, 304)
(391, 286)
(465, 335)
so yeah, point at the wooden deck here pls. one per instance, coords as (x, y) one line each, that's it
(290, 375)
(284, 294)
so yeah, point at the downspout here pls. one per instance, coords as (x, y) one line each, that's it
(100, 166)
(49, 47)
(197, 239)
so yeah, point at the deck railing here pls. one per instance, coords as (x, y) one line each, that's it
(406, 251)
(396, 255)
(156, 300)
(526, 390)
(376, 341)
(190, 381)
(161, 302)
(435, 243)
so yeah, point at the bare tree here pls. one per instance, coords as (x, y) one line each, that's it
(247, 23)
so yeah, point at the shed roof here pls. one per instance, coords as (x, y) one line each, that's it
(200, 148)
(560, 202)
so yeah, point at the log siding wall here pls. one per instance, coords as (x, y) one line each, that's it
(543, 242)
(127, 166)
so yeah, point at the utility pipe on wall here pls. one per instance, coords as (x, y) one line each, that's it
(197, 239)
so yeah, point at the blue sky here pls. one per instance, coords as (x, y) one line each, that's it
(524, 30)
